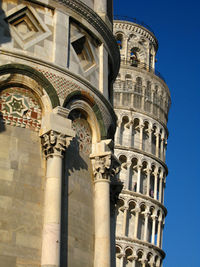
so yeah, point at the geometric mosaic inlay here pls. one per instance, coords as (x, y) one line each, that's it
(26, 26)
(83, 135)
(20, 108)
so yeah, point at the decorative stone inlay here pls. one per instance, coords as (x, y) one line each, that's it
(26, 25)
(94, 20)
(54, 143)
(20, 108)
(62, 85)
(105, 167)
(83, 135)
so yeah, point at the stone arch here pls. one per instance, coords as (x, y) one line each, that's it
(124, 130)
(79, 100)
(28, 94)
(129, 256)
(120, 39)
(120, 216)
(131, 217)
(27, 71)
(123, 172)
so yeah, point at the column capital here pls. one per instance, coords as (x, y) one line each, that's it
(128, 124)
(148, 170)
(139, 166)
(54, 143)
(137, 209)
(146, 214)
(105, 166)
(141, 126)
(56, 132)
(154, 217)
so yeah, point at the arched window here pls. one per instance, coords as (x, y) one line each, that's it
(119, 38)
(134, 56)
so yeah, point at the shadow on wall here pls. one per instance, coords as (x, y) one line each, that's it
(73, 162)
(5, 36)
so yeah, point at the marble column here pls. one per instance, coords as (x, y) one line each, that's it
(157, 143)
(130, 133)
(139, 178)
(124, 231)
(137, 211)
(162, 148)
(159, 232)
(55, 135)
(150, 140)
(128, 181)
(146, 216)
(141, 136)
(161, 187)
(155, 185)
(117, 134)
(148, 181)
(153, 229)
(105, 166)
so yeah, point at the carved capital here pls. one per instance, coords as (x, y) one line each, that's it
(54, 143)
(105, 167)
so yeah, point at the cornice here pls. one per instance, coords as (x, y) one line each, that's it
(93, 19)
(134, 241)
(133, 27)
(149, 115)
(135, 150)
(141, 196)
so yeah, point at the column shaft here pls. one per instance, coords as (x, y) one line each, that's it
(141, 136)
(117, 138)
(146, 226)
(153, 230)
(159, 233)
(130, 134)
(136, 224)
(160, 188)
(148, 182)
(125, 222)
(52, 213)
(139, 179)
(157, 144)
(162, 149)
(102, 223)
(155, 185)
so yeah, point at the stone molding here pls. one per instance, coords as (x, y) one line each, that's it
(54, 143)
(93, 19)
(142, 153)
(130, 195)
(133, 241)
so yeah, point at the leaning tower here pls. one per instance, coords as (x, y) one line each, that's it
(141, 101)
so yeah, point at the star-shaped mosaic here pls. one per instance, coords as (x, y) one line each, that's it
(17, 105)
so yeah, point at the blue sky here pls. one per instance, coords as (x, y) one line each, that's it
(176, 25)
